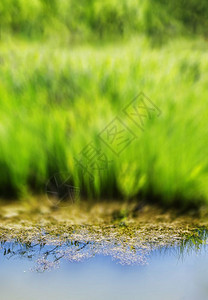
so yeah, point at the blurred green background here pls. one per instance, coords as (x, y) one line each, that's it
(68, 68)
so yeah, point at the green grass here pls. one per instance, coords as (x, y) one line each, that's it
(92, 20)
(55, 100)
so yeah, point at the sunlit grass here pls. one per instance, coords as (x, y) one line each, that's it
(55, 100)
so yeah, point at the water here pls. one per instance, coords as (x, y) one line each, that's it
(77, 270)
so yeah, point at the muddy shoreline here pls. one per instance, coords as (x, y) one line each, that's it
(80, 231)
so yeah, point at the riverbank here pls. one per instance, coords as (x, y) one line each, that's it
(122, 232)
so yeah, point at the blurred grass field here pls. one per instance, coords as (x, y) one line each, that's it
(60, 86)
